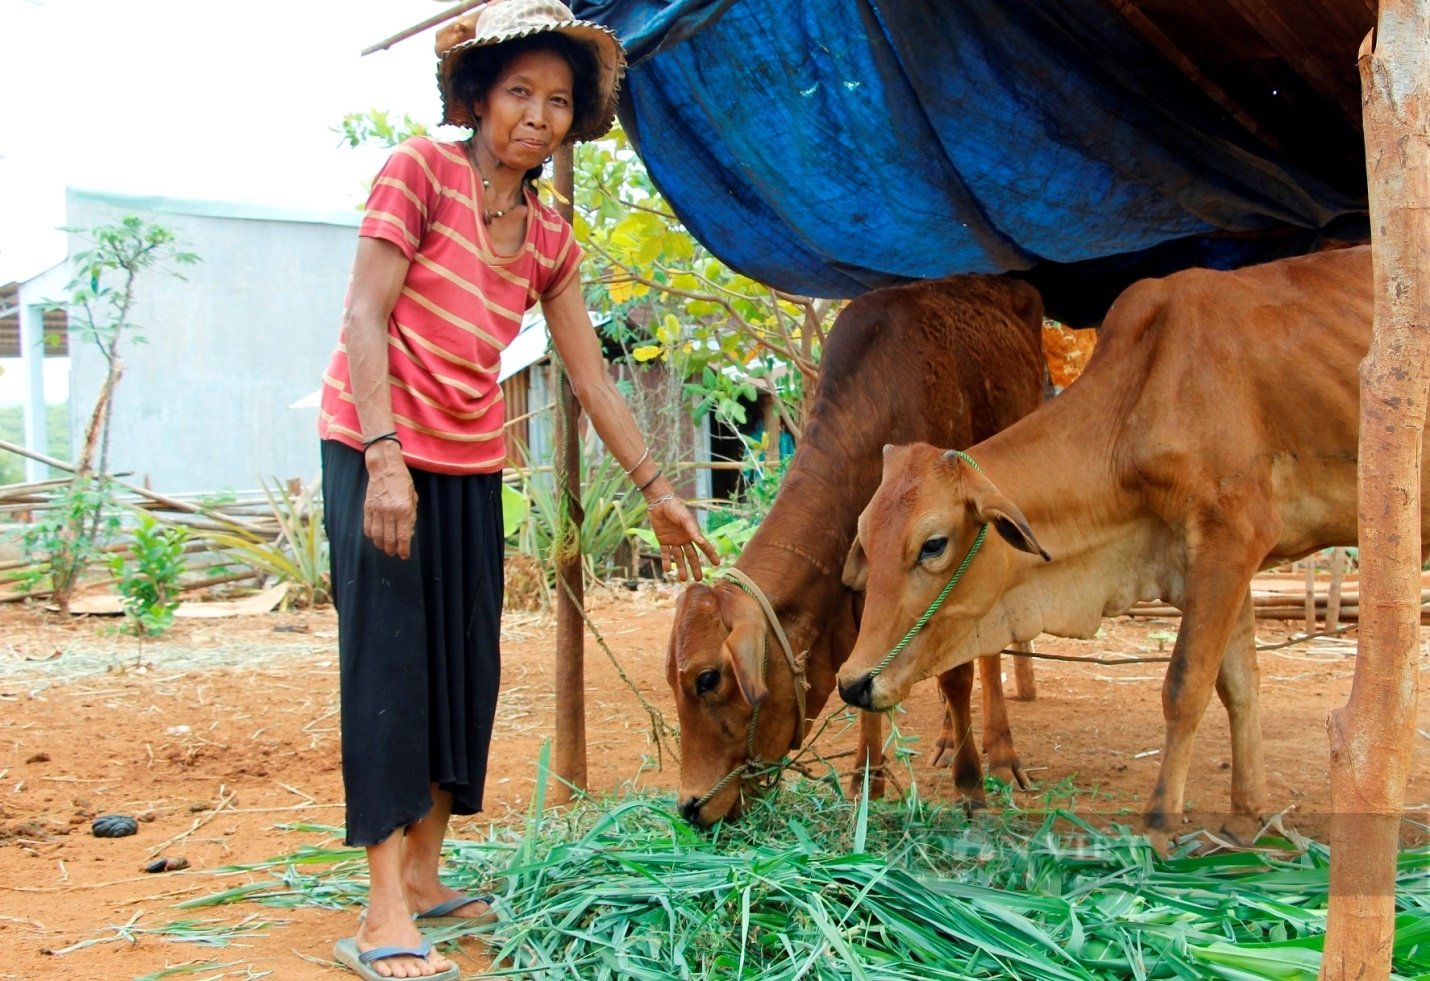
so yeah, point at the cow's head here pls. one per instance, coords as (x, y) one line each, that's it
(916, 531)
(714, 666)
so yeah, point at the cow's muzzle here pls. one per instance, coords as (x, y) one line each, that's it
(690, 810)
(859, 692)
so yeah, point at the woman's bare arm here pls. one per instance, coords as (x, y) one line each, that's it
(390, 508)
(575, 339)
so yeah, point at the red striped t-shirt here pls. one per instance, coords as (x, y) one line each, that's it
(460, 305)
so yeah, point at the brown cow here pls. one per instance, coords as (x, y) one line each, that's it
(953, 360)
(1213, 434)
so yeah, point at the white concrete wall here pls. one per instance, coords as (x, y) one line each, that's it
(204, 405)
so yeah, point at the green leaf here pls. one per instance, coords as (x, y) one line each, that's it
(514, 509)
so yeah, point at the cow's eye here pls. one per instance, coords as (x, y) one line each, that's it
(707, 682)
(933, 548)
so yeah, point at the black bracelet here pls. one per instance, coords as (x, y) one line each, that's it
(653, 479)
(367, 443)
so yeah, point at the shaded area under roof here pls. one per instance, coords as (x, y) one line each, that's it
(836, 146)
(55, 326)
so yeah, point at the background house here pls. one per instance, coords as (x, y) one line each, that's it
(203, 405)
(657, 399)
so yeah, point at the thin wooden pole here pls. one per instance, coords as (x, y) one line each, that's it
(1311, 593)
(444, 16)
(772, 431)
(1333, 595)
(1371, 736)
(569, 752)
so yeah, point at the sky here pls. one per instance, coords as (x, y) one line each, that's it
(193, 98)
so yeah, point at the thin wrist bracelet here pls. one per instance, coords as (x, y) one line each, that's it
(368, 443)
(653, 479)
(662, 499)
(636, 465)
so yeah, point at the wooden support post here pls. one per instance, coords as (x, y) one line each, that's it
(1371, 735)
(1310, 594)
(1333, 595)
(569, 756)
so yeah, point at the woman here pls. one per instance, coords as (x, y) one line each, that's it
(453, 248)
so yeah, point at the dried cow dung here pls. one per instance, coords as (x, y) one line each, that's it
(114, 826)
(167, 865)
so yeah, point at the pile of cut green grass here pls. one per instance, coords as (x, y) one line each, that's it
(813, 885)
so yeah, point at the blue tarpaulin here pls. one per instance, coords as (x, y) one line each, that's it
(834, 146)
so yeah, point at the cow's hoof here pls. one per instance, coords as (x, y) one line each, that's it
(876, 783)
(1010, 771)
(1241, 830)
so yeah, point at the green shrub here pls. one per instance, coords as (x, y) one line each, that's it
(148, 574)
(69, 536)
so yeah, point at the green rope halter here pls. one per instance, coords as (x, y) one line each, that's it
(943, 595)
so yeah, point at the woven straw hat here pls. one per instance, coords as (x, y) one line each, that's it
(504, 20)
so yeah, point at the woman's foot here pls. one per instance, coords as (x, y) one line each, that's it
(375, 930)
(432, 894)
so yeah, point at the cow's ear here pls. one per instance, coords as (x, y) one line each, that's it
(1011, 524)
(745, 649)
(856, 568)
(745, 643)
(991, 507)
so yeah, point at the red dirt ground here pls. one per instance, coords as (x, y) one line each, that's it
(243, 712)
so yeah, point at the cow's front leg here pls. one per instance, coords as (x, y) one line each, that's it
(956, 740)
(1217, 585)
(870, 753)
(1238, 686)
(997, 736)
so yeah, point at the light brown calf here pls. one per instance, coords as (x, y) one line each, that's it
(1213, 434)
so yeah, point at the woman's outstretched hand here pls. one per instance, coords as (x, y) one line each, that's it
(679, 535)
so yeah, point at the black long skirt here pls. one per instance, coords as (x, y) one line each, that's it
(418, 645)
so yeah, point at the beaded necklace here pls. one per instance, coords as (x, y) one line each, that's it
(491, 214)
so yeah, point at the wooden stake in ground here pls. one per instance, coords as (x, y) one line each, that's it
(1333, 594)
(1371, 736)
(569, 751)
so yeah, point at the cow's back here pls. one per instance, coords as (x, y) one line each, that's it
(949, 361)
(1250, 377)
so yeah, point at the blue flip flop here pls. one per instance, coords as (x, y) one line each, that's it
(440, 915)
(346, 953)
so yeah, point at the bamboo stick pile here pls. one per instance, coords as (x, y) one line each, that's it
(208, 564)
(1282, 597)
